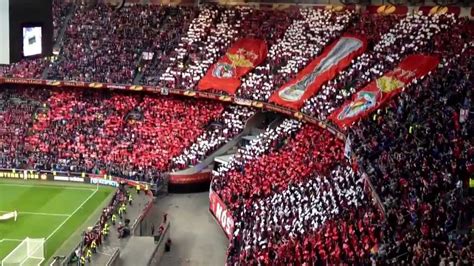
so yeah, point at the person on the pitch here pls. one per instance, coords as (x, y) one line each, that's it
(138, 188)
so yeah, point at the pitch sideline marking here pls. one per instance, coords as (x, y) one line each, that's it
(69, 216)
(10, 240)
(45, 186)
(42, 213)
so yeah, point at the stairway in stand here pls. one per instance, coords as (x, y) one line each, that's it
(59, 40)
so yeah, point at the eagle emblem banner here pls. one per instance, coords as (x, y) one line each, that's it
(241, 58)
(381, 90)
(335, 58)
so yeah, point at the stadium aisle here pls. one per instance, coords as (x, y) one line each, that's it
(196, 238)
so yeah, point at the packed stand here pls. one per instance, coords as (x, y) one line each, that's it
(261, 222)
(322, 220)
(190, 45)
(419, 154)
(312, 150)
(208, 51)
(269, 25)
(413, 34)
(117, 133)
(103, 45)
(76, 129)
(60, 9)
(178, 19)
(4, 70)
(231, 123)
(305, 38)
(163, 129)
(265, 142)
(205, 43)
(373, 26)
(26, 68)
(17, 108)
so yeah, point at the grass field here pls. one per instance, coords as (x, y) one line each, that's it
(54, 211)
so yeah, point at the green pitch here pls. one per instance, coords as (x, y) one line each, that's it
(54, 211)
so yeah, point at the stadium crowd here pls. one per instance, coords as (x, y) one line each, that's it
(209, 36)
(167, 128)
(27, 68)
(101, 133)
(413, 34)
(304, 39)
(228, 125)
(419, 154)
(325, 219)
(220, 37)
(16, 115)
(60, 9)
(178, 19)
(102, 45)
(293, 198)
(263, 143)
(424, 215)
(311, 150)
(189, 45)
(426, 219)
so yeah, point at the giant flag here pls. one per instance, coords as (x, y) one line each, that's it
(383, 89)
(240, 59)
(323, 68)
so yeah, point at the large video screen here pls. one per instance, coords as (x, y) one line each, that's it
(32, 40)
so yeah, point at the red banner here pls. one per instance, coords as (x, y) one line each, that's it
(383, 89)
(323, 68)
(223, 216)
(240, 59)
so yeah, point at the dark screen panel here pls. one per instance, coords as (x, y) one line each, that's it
(30, 12)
